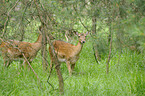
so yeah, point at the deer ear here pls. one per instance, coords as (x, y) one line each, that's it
(87, 33)
(77, 33)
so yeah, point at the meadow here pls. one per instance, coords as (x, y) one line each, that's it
(126, 76)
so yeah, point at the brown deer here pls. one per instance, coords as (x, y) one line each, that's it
(67, 52)
(16, 50)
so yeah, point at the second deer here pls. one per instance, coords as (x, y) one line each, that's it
(16, 50)
(67, 52)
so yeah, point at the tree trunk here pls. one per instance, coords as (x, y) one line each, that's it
(44, 49)
(57, 67)
(42, 14)
(94, 21)
(110, 48)
(108, 4)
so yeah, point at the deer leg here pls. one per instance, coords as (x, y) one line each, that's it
(4, 62)
(21, 63)
(24, 64)
(69, 67)
(29, 65)
(8, 63)
(72, 66)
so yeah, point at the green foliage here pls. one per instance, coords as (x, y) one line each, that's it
(127, 68)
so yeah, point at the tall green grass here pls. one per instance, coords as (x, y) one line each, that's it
(126, 76)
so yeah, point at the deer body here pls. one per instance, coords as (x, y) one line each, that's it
(67, 52)
(16, 50)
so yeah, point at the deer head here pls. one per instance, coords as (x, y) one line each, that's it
(82, 37)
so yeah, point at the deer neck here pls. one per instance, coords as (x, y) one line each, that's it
(39, 39)
(78, 48)
(38, 43)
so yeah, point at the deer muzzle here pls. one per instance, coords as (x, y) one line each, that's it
(82, 42)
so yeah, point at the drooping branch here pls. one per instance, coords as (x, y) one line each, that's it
(81, 20)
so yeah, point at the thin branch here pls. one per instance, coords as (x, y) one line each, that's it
(8, 16)
(81, 20)
(31, 67)
(109, 56)
(21, 23)
(49, 78)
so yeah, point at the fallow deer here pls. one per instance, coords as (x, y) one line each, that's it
(16, 50)
(67, 52)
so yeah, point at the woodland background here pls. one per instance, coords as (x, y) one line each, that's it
(112, 61)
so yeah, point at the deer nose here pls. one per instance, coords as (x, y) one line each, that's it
(83, 41)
